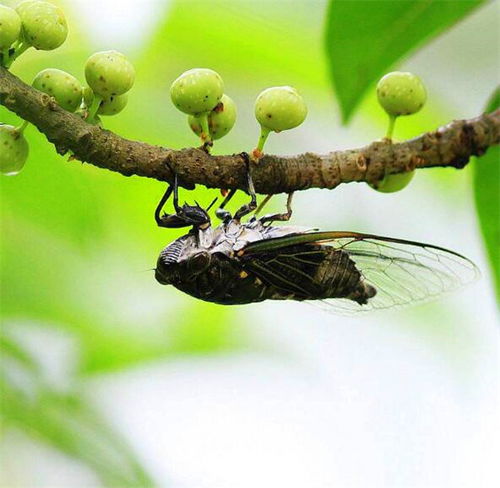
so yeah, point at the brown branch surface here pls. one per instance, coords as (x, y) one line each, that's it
(451, 145)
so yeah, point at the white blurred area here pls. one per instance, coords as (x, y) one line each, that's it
(120, 23)
(376, 402)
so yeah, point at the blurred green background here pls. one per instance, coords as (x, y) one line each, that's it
(79, 301)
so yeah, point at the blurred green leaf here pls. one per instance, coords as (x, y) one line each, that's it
(9, 349)
(487, 195)
(365, 38)
(65, 422)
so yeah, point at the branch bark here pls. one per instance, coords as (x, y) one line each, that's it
(449, 146)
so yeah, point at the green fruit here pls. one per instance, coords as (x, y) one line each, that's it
(14, 150)
(393, 183)
(220, 120)
(109, 73)
(280, 108)
(401, 93)
(43, 24)
(197, 91)
(65, 88)
(26, 4)
(113, 105)
(10, 27)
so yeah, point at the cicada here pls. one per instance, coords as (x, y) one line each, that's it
(246, 262)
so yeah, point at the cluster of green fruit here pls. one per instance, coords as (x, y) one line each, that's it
(199, 93)
(33, 23)
(109, 74)
(211, 114)
(399, 93)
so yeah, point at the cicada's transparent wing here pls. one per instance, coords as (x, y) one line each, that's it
(402, 272)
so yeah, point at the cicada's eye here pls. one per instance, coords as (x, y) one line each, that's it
(163, 270)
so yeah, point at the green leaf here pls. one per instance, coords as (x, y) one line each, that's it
(9, 349)
(487, 191)
(365, 38)
(65, 421)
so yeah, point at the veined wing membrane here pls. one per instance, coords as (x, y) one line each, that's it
(403, 272)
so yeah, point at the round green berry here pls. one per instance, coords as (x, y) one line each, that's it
(220, 120)
(401, 93)
(10, 27)
(280, 108)
(24, 5)
(395, 182)
(113, 105)
(43, 24)
(65, 88)
(14, 150)
(109, 73)
(197, 91)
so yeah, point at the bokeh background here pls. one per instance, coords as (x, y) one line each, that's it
(109, 379)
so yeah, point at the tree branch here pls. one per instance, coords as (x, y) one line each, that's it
(451, 145)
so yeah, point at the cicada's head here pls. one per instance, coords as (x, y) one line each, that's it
(181, 262)
(187, 257)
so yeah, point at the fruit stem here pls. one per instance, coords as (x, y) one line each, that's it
(94, 108)
(22, 127)
(264, 134)
(390, 129)
(205, 131)
(5, 57)
(83, 104)
(19, 48)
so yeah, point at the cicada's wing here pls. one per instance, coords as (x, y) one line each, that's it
(402, 272)
(291, 269)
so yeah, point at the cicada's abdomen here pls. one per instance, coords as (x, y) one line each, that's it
(308, 272)
(340, 278)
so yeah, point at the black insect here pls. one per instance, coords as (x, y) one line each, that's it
(238, 263)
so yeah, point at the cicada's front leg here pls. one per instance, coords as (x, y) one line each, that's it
(165, 219)
(185, 216)
(162, 219)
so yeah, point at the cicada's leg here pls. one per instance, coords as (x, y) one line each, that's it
(223, 214)
(282, 217)
(165, 219)
(158, 215)
(263, 204)
(252, 205)
(211, 205)
(176, 194)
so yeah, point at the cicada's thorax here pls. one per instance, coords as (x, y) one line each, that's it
(203, 265)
